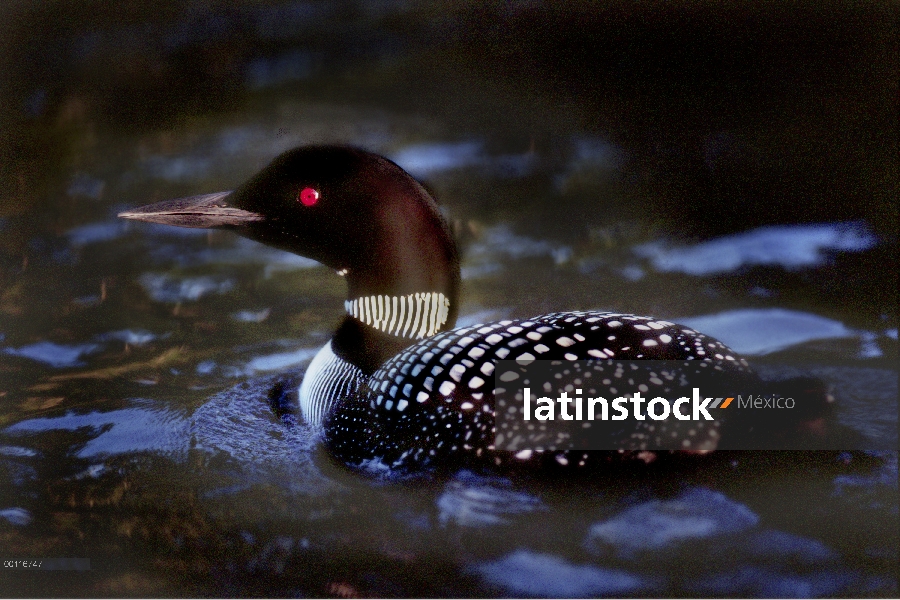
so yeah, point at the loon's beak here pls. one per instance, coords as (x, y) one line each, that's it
(202, 212)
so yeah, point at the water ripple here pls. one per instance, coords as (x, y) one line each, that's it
(788, 246)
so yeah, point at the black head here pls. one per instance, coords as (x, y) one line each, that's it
(349, 209)
(325, 202)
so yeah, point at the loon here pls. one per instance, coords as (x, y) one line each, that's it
(397, 387)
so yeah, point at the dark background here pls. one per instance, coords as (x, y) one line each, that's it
(732, 115)
(748, 112)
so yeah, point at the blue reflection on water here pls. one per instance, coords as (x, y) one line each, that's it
(139, 429)
(165, 288)
(724, 538)
(470, 501)
(279, 361)
(484, 257)
(17, 451)
(69, 355)
(96, 232)
(697, 513)
(788, 246)
(251, 316)
(762, 331)
(525, 572)
(16, 516)
(132, 337)
(426, 159)
(55, 355)
(752, 581)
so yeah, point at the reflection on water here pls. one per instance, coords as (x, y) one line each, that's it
(791, 246)
(531, 574)
(144, 419)
(55, 355)
(654, 525)
(498, 244)
(761, 331)
(163, 288)
(470, 502)
(138, 429)
(424, 160)
(16, 516)
(428, 160)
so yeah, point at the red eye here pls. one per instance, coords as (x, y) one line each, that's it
(308, 196)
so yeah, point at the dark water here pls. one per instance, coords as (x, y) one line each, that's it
(731, 169)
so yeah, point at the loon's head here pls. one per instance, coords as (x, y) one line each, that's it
(352, 210)
(355, 212)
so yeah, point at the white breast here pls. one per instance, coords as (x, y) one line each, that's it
(328, 379)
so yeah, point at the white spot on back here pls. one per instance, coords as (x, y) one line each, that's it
(457, 371)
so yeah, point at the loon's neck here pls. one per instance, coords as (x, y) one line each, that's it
(403, 286)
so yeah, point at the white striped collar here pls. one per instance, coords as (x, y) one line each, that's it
(412, 316)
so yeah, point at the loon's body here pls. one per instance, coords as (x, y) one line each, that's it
(433, 404)
(397, 386)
